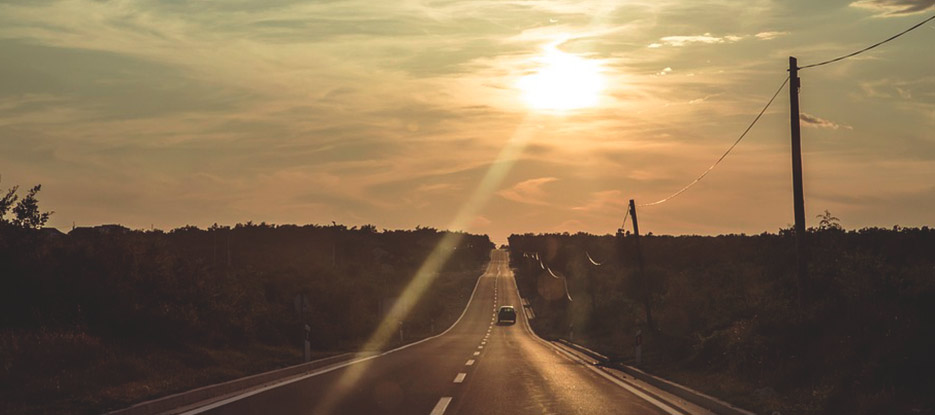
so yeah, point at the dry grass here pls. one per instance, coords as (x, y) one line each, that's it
(72, 372)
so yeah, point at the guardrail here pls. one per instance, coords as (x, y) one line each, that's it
(169, 403)
(705, 401)
(527, 308)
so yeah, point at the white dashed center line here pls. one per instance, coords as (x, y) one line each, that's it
(460, 377)
(441, 406)
(469, 363)
(476, 353)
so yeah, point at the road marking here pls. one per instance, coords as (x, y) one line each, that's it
(460, 377)
(441, 406)
(480, 347)
(668, 409)
(331, 368)
(476, 353)
(618, 382)
(470, 362)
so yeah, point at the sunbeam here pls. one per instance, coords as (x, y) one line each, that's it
(424, 277)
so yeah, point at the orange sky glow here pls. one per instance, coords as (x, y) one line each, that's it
(493, 117)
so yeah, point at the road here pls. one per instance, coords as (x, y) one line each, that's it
(476, 367)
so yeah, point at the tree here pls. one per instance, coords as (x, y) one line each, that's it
(7, 201)
(828, 222)
(26, 213)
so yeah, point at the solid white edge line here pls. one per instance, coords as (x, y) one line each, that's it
(339, 366)
(441, 406)
(460, 377)
(618, 382)
(622, 384)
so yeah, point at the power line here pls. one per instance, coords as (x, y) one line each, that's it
(680, 191)
(839, 58)
(757, 118)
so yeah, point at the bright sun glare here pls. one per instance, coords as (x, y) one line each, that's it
(563, 82)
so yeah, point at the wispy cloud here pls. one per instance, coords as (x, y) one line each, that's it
(769, 35)
(817, 122)
(528, 191)
(895, 7)
(921, 90)
(355, 110)
(479, 223)
(604, 201)
(707, 38)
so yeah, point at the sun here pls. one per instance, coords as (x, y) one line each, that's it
(563, 82)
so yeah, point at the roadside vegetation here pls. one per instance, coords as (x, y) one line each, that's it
(104, 317)
(731, 322)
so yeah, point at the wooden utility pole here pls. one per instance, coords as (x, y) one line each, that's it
(647, 296)
(801, 250)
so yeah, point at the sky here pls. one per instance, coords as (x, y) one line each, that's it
(488, 116)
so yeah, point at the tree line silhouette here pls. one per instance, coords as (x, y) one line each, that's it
(70, 302)
(729, 321)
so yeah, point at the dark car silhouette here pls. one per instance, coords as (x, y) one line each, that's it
(506, 315)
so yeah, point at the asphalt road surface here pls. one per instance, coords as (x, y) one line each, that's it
(476, 367)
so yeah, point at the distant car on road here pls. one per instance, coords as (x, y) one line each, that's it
(506, 315)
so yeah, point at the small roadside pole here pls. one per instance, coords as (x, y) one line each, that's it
(639, 347)
(308, 343)
(401, 338)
